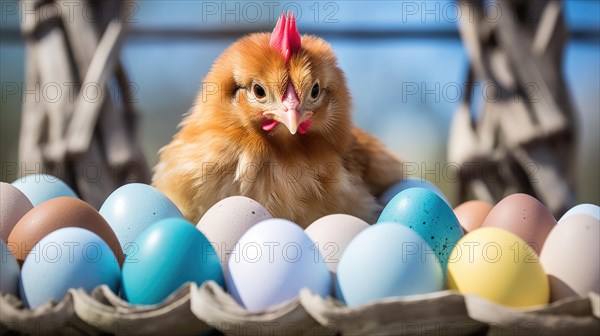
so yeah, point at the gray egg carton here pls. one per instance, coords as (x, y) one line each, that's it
(194, 310)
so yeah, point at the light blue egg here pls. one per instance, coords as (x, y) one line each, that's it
(409, 183)
(134, 207)
(591, 210)
(427, 214)
(9, 271)
(67, 258)
(168, 254)
(272, 262)
(41, 187)
(387, 260)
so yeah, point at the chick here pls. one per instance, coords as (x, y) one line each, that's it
(273, 123)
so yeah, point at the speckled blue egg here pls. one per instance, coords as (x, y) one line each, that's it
(133, 208)
(427, 214)
(41, 187)
(169, 253)
(67, 258)
(9, 271)
(387, 260)
(392, 191)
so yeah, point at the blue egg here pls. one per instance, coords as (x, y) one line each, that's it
(67, 258)
(392, 191)
(9, 271)
(168, 254)
(387, 260)
(133, 208)
(427, 214)
(41, 187)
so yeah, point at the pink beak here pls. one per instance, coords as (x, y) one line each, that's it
(289, 114)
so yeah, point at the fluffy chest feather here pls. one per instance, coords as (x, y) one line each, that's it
(300, 187)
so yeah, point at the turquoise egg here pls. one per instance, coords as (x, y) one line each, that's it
(168, 254)
(407, 184)
(429, 215)
(387, 260)
(40, 188)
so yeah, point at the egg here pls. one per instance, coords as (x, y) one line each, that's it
(168, 254)
(387, 260)
(332, 234)
(571, 257)
(412, 182)
(471, 214)
(226, 221)
(13, 205)
(524, 216)
(272, 261)
(9, 271)
(54, 214)
(132, 208)
(497, 265)
(70, 257)
(582, 209)
(427, 214)
(40, 188)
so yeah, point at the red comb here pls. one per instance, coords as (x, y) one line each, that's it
(285, 37)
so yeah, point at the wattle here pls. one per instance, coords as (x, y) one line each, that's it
(269, 124)
(304, 126)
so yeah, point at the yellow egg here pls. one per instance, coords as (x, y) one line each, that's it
(499, 266)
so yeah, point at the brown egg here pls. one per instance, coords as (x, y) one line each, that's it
(524, 216)
(13, 205)
(471, 214)
(58, 213)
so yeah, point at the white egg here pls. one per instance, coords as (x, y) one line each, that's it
(331, 234)
(571, 257)
(272, 262)
(226, 221)
(582, 209)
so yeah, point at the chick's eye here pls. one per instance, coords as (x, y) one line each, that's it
(314, 92)
(259, 91)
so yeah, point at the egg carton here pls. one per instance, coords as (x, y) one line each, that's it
(194, 310)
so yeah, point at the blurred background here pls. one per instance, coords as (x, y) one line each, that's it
(384, 47)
